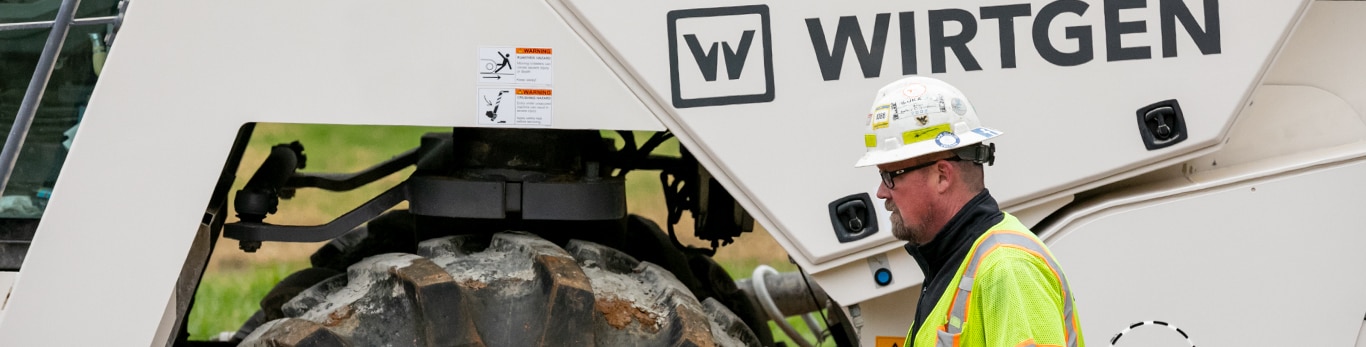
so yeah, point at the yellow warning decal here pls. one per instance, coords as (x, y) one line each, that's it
(542, 92)
(521, 50)
(870, 140)
(889, 341)
(922, 134)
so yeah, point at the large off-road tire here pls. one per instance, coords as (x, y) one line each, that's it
(513, 289)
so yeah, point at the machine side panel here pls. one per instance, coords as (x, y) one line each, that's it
(1326, 53)
(1220, 264)
(184, 77)
(1253, 228)
(1063, 80)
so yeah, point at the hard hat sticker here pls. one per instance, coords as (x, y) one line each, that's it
(988, 133)
(946, 140)
(914, 90)
(915, 108)
(922, 134)
(880, 116)
(923, 106)
(959, 107)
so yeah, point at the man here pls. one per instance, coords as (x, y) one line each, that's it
(988, 280)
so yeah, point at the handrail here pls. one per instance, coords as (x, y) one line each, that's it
(48, 24)
(41, 74)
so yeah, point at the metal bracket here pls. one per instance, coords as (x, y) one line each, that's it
(248, 232)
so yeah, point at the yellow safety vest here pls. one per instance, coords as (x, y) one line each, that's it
(1010, 292)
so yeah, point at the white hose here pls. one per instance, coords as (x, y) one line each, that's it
(813, 325)
(761, 292)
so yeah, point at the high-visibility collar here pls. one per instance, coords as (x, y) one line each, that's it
(941, 257)
(1008, 233)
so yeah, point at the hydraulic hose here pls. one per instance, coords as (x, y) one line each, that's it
(761, 292)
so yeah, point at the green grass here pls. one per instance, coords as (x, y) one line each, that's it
(226, 299)
(332, 148)
(743, 268)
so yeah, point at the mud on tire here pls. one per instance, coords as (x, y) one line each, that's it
(513, 289)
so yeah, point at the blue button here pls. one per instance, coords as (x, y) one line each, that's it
(882, 277)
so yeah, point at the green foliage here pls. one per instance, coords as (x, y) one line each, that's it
(226, 299)
(333, 148)
(743, 268)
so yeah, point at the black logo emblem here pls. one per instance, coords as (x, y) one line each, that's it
(700, 40)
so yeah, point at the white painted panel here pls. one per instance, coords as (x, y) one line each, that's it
(184, 76)
(7, 279)
(1065, 126)
(1222, 264)
(1327, 52)
(888, 316)
(852, 282)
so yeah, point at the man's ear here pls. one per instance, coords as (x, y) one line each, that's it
(948, 174)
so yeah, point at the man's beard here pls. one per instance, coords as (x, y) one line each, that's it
(904, 232)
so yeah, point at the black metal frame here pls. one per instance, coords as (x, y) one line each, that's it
(496, 194)
(490, 194)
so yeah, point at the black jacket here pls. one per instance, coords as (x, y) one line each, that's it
(942, 256)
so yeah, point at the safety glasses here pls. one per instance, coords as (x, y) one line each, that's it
(978, 153)
(889, 177)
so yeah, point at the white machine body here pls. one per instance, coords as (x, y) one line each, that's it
(1243, 233)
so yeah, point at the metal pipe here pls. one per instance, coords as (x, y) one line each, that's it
(790, 291)
(48, 24)
(118, 23)
(46, 62)
(765, 301)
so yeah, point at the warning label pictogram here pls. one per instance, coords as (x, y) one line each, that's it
(516, 65)
(514, 106)
(515, 86)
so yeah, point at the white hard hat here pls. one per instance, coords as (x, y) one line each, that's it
(916, 116)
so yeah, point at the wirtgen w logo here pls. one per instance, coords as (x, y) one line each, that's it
(704, 41)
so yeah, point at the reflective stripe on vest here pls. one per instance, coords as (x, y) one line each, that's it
(958, 308)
